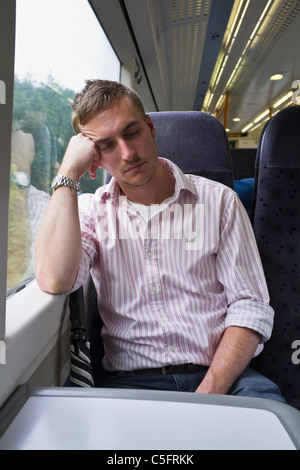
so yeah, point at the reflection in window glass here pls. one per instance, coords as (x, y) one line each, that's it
(59, 44)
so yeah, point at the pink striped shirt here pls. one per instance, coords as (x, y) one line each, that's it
(167, 288)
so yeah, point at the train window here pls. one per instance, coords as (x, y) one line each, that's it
(59, 44)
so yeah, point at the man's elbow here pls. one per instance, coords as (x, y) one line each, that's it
(53, 286)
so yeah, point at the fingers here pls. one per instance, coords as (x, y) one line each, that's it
(94, 167)
(82, 155)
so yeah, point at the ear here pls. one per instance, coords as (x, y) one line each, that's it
(151, 125)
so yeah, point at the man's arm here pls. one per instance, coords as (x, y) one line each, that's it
(58, 243)
(232, 356)
(249, 318)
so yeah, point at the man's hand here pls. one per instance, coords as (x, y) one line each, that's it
(81, 155)
(233, 355)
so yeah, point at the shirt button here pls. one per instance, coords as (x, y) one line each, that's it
(149, 254)
(154, 288)
(171, 348)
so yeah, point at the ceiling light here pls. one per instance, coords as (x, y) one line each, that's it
(277, 76)
(247, 127)
(262, 16)
(261, 116)
(282, 100)
(236, 119)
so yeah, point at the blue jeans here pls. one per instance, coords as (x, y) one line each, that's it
(249, 384)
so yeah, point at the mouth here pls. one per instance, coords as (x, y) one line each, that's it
(134, 167)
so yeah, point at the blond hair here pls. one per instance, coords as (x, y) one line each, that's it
(98, 95)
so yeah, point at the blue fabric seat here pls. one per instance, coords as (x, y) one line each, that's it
(276, 226)
(244, 189)
(256, 169)
(196, 142)
(243, 162)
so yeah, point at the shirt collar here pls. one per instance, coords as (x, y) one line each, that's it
(182, 183)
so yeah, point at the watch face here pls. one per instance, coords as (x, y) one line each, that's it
(21, 179)
(55, 181)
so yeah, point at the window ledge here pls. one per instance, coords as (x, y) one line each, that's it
(35, 321)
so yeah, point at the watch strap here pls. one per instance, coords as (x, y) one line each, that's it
(62, 180)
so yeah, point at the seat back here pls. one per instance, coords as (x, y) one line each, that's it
(243, 162)
(93, 325)
(277, 229)
(256, 169)
(196, 142)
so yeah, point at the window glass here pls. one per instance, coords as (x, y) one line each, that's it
(59, 44)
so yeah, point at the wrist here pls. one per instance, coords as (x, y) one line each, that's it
(69, 172)
(62, 180)
(214, 383)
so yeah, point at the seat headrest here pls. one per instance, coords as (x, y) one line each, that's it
(194, 140)
(280, 145)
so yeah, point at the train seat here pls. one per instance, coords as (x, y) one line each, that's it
(256, 169)
(196, 142)
(243, 162)
(244, 189)
(276, 226)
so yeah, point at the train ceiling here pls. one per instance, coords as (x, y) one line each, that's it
(211, 55)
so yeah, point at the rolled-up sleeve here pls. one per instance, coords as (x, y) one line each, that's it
(241, 273)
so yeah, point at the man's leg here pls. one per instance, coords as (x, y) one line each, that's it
(249, 384)
(136, 381)
(169, 382)
(252, 384)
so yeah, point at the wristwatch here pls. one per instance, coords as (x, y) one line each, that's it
(20, 179)
(61, 180)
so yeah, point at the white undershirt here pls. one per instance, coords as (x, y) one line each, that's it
(146, 212)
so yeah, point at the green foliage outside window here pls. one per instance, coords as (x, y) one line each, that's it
(44, 111)
(41, 132)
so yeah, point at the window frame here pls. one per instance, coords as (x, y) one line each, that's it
(30, 314)
(7, 58)
(7, 55)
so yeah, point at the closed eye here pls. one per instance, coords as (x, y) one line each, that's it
(104, 146)
(131, 134)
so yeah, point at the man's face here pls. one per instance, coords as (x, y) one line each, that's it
(125, 141)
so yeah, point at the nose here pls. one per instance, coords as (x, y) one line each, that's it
(127, 152)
